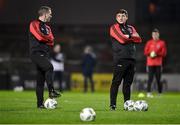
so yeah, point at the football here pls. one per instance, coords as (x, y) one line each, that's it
(50, 103)
(129, 105)
(140, 105)
(145, 107)
(152, 54)
(87, 114)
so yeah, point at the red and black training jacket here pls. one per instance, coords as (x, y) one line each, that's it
(40, 37)
(123, 47)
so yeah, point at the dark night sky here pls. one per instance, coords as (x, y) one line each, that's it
(66, 11)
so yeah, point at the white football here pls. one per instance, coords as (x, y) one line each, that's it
(50, 103)
(87, 114)
(145, 107)
(129, 105)
(140, 105)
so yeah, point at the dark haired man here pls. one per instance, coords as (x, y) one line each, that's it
(41, 40)
(155, 50)
(123, 37)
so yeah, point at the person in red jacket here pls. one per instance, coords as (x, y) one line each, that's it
(41, 41)
(155, 51)
(124, 38)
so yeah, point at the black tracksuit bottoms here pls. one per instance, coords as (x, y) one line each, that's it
(154, 71)
(44, 73)
(90, 78)
(124, 70)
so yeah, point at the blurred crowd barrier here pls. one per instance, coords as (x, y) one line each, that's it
(103, 81)
(75, 81)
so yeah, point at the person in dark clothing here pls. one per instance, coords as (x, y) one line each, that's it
(57, 60)
(41, 40)
(88, 64)
(123, 38)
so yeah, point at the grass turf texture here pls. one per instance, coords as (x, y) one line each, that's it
(20, 107)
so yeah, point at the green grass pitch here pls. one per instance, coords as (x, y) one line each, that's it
(20, 107)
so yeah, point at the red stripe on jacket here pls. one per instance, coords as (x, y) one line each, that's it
(116, 33)
(34, 29)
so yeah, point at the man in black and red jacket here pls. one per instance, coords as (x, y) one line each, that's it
(41, 41)
(124, 37)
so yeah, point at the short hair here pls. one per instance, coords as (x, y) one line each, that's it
(155, 30)
(43, 9)
(122, 11)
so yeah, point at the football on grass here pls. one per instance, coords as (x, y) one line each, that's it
(50, 103)
(87, 114)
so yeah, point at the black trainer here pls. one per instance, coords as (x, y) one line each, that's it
(54, 94)
(112, 107)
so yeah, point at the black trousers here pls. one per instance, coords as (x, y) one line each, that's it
(44, 73)
(123, 70)
(154, 71)
(90, 78)
(58, 75)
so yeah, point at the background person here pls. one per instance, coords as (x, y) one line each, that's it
(155, 51)
(88, 64)
(57, 61)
